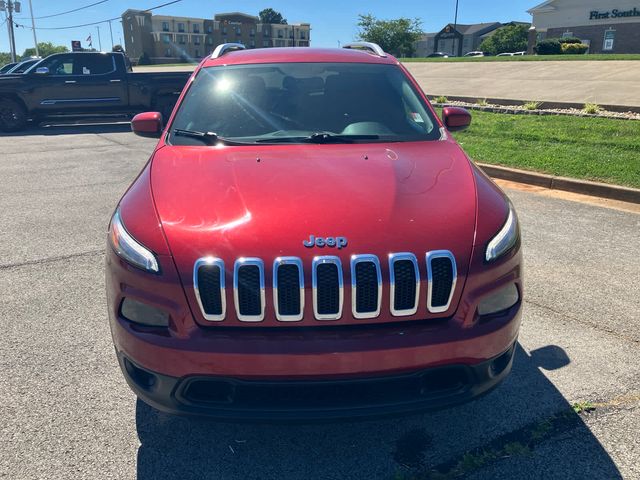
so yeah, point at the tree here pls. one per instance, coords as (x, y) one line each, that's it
(5, 58)
(397, 36)
(269, 15)
(44, 49)
(512, 38)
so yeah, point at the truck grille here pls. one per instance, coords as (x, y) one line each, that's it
(327, 286)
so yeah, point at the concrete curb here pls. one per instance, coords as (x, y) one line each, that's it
(543, 104)
(596, 189)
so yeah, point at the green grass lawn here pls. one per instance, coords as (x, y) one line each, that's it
(531, 58)
(597, 149)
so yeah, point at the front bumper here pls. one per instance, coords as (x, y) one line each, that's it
(307, 400)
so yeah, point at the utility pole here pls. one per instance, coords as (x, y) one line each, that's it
(455, 25)
(33, 29)
(12, 40)
(99, 41)
(110, 33)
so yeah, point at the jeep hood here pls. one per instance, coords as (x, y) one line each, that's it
(263, 201)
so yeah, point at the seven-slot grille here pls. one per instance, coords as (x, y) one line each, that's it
(327, 286)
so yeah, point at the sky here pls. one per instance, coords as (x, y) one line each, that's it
(332, 21)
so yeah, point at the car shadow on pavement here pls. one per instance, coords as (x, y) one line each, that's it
(71, 129)
(525, 425)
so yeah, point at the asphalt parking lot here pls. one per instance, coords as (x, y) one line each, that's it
(67, 413)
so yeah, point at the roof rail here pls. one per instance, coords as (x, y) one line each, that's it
(369, 46)
(226, 48)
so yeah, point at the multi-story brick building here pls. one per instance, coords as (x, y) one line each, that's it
(168, 39)
(607, 26)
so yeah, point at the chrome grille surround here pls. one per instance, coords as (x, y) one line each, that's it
(320, 260)
(355, 259)
(393, 258)
(218, 262)
(241, 262)
(276, 264)
(430, 256)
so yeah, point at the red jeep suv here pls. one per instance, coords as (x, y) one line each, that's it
(307, 241)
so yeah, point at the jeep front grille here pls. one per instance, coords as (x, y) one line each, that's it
(441, 280)
(327, 275)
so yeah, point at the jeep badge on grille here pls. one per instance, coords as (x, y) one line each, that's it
(325, 242)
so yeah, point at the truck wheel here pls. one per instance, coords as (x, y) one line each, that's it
(165, 105)
(13, 116)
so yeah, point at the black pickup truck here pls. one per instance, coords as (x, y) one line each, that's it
(82, 84)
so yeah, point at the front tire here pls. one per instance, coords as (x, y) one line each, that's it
(13, 116)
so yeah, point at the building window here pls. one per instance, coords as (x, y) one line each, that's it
(280, 34)
(196, 28)
(609, 40)
(252, 32)
(266, 43)
(238, 31)
(165, 26)
(209, 29)
(181, 27)
(252, 43)
(224, 30)
(567, 34)
(197, 53)
(182, 39)
(167, 52)
(266, 33)
(303, 34)
(196, 41)
(210, 40)
(166, 38)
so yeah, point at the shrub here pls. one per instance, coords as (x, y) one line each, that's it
(532, 105)
(550, 46)
(440, 99)
(592, 108)
(144, 59)
(569, 40)
(482, 102)
(574, 48)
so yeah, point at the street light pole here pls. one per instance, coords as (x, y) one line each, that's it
(455, 24)
(33, 29)
(99, 41)
(110, 33)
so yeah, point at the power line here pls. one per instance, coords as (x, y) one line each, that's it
(97, 23)
(71, 11)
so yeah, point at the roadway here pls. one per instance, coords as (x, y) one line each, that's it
(68, 414)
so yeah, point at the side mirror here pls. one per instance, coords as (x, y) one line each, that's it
(456, 118)
(147, 124)
(42, 71)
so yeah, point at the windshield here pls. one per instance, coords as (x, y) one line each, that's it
(302, 102)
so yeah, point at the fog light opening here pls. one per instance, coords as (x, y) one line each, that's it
(141, 377)
(209, 391)
(499, 364)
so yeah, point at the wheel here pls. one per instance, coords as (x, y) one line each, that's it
(165, 105)
(13, 116)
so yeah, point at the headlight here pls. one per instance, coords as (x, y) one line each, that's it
(505, 239)
(128, 248)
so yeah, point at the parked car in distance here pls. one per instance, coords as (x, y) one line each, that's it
(439, 55)
(505, 54)
(77, 84)
(294, 250)
(520, 53)
(24, 65)
(474, 54)
(7, 67)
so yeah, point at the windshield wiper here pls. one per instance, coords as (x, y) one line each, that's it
(210, 138)
(320, 137)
